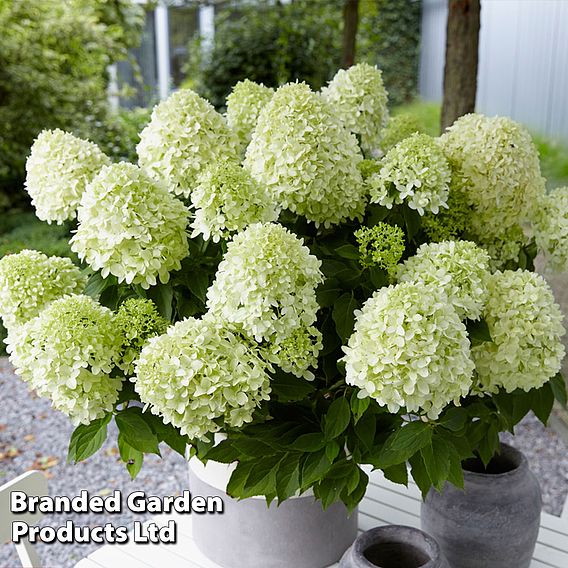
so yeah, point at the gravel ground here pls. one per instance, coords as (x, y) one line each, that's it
(33, 436)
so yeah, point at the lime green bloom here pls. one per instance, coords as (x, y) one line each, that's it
(200, 376)
(58, 169)
(227, 199)
(136, 321)
(415, 171)
(30, 280)
(131, 227)
(398, 129)
(358, 96)
(459, 268)
(184, 136)
(409, 350)
(381, 245)
(302, 154)
(67, 353)
(526, 328)
(244, 104)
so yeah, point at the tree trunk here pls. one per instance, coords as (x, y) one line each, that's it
(350, 24)
(462, 54)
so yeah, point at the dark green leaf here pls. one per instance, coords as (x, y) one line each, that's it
(87, 439)
(365, 430)
(198, 282)
(262, 477)
(332, 450)
(96, 284)
(542, 401)
(558, 385)
(455, 472)
(315, 467)
(420, 474)
(328, 292)
(453, 419)
(489, 444)
(412, 220)
(478, 331)
(288, 477)
(359, 405)
(289, 388)
(136, 431)
(347, 251)
(309, 442)
(403, 444)
(436, 457)
(397, 473)
(130, 456)
(169, 434)
(337, 418)
(162, 295)
(379, 277)
(238, 479)
(352, 499)
(343, 315)
(224, 452)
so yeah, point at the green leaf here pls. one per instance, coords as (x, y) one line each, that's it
(403, 444)
(347, 251)
(377, 213)
(337, 418)
(162, 295)
(397, 473)
(87, 439)
(238, 478)
(328, 292)
(136, 431)
(132, 457)
(169, 434)
(365, 430)
(542, 401)
(312, 442)
(353, 498)
(436, 457)
(223, 452)
(198, 282)
(412, 220)
(96, 284)
(315, 467)
(558, 386)
(328, 490)
(332, 450)
(478, 331)
(379, 277)
(420, 474)
(489, 444)
(359, 405)
(453, 419)
(262, 477)
(343, 315)
(289, 388)
(288, 477)
(251, 448)
(455, 472)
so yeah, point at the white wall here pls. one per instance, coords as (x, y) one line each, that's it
(523, 60)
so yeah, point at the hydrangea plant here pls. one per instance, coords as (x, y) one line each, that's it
(321, 309)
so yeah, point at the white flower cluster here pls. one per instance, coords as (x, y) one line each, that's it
(499, 163)
(131, 227)
(58, 170)
(297, 353)
(459, 268)
(244, 104)
(410, 350)
(199, 376)
(551, 228)
(415, 171)
(307, 160)
(227, 199)
(66, 353)
(184, 135)
(505, 249)
(526, 328)
(30, 280)
(266, 283)
(359, 98)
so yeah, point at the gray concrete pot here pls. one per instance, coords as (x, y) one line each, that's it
(394, 546)
(494, 523)
(249, 534)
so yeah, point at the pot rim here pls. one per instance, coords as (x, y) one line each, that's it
(522, 464)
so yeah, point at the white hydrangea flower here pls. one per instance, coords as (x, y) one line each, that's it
(184, 135)
(415, 171)
(199, 376)
(266, 283)
(504, 250)
(526, 328)
(66, 353)
(131, 227)
(459, 268)
(244, 104)
(359, 98)
(296, 353)
(30, 280)
(227, 199)
(499, 163)
(410, 350)
(551, 228)
(58, 169)
(307, 160)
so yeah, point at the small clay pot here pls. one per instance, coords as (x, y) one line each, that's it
(494, 521)
(394, 546)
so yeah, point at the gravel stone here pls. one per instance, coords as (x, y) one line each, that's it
(30, 428)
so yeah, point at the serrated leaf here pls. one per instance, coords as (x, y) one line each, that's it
(397, 473)
(289, 388)
(288, 477)
(239, 478)
(343, 315)
(337, 418)
(558, 386)
(542, 401)
(420, 474)
(223, 452)
(136, 430)
(132, 457)
(352, 499)
(262, 477)
(87, 439)
(436, 457)
(403, 444)
(455, 472)
(314, 468)
(489, 444)
(454, 419)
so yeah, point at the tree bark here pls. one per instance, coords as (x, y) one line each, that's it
(462, 55)
(350, 24)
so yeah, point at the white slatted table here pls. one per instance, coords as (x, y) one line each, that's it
(384, 503)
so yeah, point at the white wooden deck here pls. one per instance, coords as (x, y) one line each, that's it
(384, 503)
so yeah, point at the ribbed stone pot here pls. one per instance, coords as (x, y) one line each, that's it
(494, 522)
(394, 546)
(249, 534)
